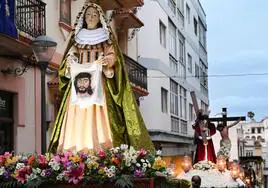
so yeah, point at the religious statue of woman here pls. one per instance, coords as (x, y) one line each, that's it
(115, 119)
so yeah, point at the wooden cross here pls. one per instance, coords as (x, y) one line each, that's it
(224, 119)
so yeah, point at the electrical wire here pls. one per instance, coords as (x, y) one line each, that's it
(214, 75)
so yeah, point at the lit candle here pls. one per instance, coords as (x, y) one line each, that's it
(221, 163)
(235, 170)
(187, 163)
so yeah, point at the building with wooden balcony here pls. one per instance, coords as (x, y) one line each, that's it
(20, 90)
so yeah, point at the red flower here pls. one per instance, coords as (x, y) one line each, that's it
(31, 160)
(2, 160)
(76, 174)
(21, 174)
(142, 152)
(101, 154)
(115, 161)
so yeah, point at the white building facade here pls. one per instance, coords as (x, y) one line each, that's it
(255, 142)
(173, 48)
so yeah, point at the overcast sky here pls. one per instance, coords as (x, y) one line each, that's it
(237, 44)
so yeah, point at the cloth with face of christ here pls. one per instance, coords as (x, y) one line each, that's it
(86, 84)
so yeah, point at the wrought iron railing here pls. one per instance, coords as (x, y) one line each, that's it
(31, 17)
(136, 72)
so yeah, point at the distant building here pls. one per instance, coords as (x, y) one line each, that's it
(252, 143)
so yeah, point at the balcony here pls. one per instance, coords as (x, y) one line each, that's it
(30, 22)
(137, 75)
(126, 19)
(31, 17)
(110, 4)
(133, 3)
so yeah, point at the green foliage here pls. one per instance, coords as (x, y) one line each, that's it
(36, 183)
(251, 115)
(10, 184)
(125, 181)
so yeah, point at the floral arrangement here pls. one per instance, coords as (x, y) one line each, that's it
(204, 165)
(80, 168)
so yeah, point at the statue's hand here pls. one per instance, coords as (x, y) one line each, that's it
(102, 61)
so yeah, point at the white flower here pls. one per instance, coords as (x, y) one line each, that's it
(56, 167)
(158, 152)
(60, 177)
(20, 165)
(124, 147)
(142, 160)
(149, 165)
(110, 175)
(105, 169)
(2, 171)
(43, 173)
(138, 165)
(143, 169)
(144, 165)
(31, 176)
(112, 169)
(36, 170)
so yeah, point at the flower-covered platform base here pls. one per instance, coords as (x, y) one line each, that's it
(115, 167)
(211, 177)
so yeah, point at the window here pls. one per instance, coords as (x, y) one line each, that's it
(172, 38)
(174, 98)
(162, 30)
(196, 71)
(190, 64)
(202, 35)
(253, 138)
(195, 26)
(182, 102)
(188, 13)
(181, 65)
(252, 130)
(180, 5)
(181, 70)
(204, 106)
(259, 129)
(191, 112)
(180, 18)
(164, 94)
(183, 127)
(172, 6)
(175, 124)
(203, 71)
(181, 50)
(173, 63)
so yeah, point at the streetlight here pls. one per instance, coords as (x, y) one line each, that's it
(43, 48)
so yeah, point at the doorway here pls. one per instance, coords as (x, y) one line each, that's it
(6, 122)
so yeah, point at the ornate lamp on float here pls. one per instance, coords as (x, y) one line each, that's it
(221, 163)
(187, 163)
(235, 170)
